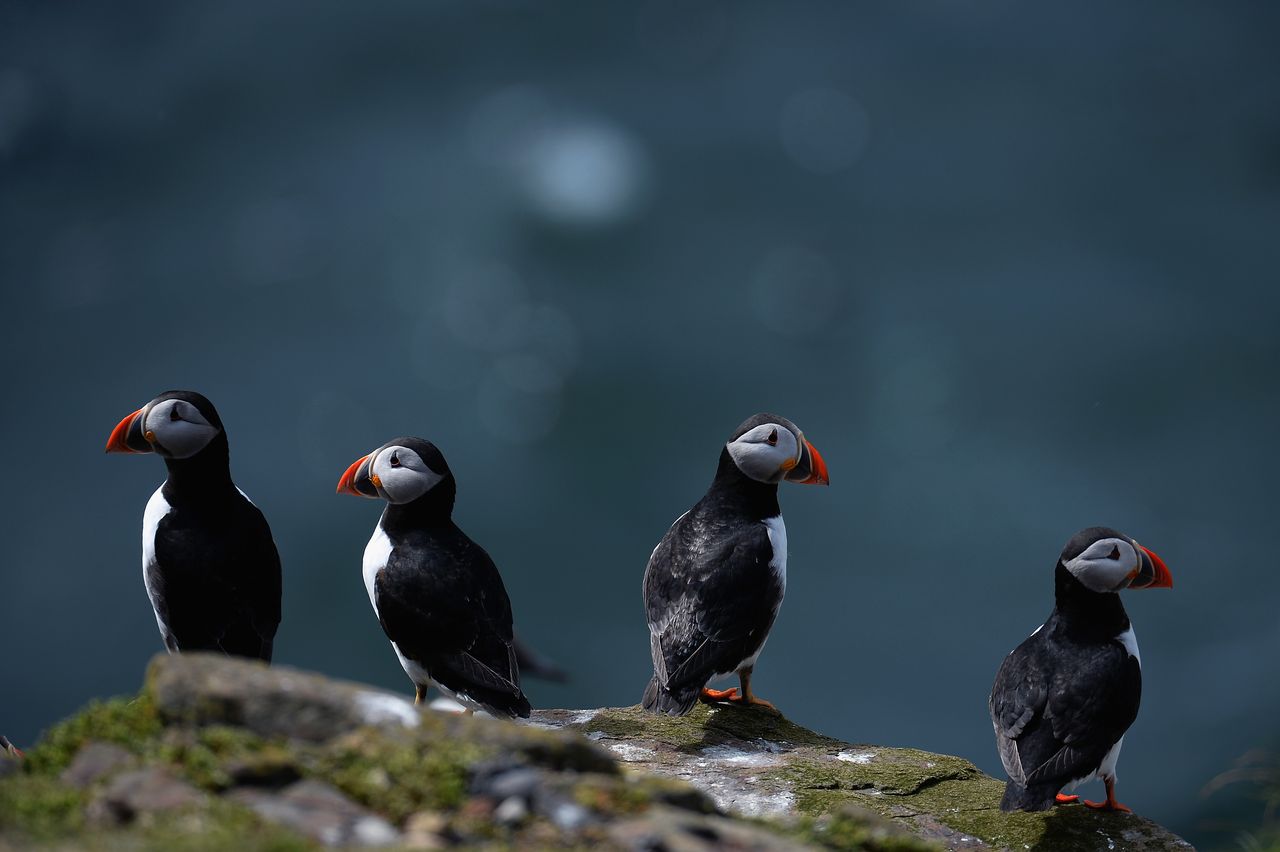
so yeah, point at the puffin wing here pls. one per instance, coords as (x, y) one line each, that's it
(1017, 699)
(451, 615)
(218, 591)
(707, 598)
(257, 589)
(1055, 722)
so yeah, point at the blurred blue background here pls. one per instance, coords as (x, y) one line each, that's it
(1013, 271)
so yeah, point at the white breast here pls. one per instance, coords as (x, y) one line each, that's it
(157, 508)
(376, 554)
(1129, 640)
(777, 531)
(778, 541)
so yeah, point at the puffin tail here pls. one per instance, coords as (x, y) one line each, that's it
(1037, 797)
(514, 707)
(659, 699)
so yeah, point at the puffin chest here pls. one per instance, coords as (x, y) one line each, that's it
(777, 532)
(376, 555)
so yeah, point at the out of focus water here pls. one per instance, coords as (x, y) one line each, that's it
(1014, 273)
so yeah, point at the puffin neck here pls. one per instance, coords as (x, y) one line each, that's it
(1085, 612)
(734, 490)
(435, 508)
(203, 473)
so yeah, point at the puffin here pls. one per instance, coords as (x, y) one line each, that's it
(1063, 699)
(209, 563)
(8, 748)
(715, 581)
(436, 593)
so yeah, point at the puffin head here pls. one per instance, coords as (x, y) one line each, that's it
(769, 448)
(400, 471)
(175, 425)
(1105, 560)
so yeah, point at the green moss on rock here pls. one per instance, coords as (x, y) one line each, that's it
(397, 775)
(896, 772)
(419, 769)
(214, 828)
(131, 723)
(849, 829)
(37, 807)
(704, 725)
(212, 757)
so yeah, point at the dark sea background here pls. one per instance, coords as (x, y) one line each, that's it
(1012, 269)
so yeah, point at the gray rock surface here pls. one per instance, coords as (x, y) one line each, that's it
(317, 810)
(235, 751)
(139, 792)
(755, 763)
(94, 762)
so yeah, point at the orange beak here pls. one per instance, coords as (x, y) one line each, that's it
(811, 469)
(1153, 573)
(127, 436)
(356, 481)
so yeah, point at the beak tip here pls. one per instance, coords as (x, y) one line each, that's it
(347, 484)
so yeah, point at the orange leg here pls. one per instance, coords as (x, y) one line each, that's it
(1110, 804)
(1065, 800)
(748, 697)
(421, 696)
(711, 696)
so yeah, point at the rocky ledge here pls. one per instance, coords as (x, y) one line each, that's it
(218, 753)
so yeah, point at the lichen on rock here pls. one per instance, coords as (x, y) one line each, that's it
(217, 752)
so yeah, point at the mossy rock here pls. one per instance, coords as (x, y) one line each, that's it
(757, 763)
(238, 736)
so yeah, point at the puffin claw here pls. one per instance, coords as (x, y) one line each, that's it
(752, 701)
(1065, 800)
(1110, 804)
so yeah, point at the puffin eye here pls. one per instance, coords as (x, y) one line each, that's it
(773, 438)
(1115, 553)
(395, 459)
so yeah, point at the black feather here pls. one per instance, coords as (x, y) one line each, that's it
(1065, 696)
(441, 599)
(710, 594)
(215, 582)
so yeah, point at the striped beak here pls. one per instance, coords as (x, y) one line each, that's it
(810, 469)
(127, 437)
(356, 481)
(1152, 572)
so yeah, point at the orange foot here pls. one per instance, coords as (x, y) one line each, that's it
(752, 701)
(1110, 804)
(711, 696)
(1065, 800)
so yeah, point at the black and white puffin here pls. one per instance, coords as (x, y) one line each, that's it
(1064, 698)
(436, 592)
(208, 560)
(714, 583)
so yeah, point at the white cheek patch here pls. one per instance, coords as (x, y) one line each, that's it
(759, 459)
(1098, 571)
(407, 481)
(181, 438)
